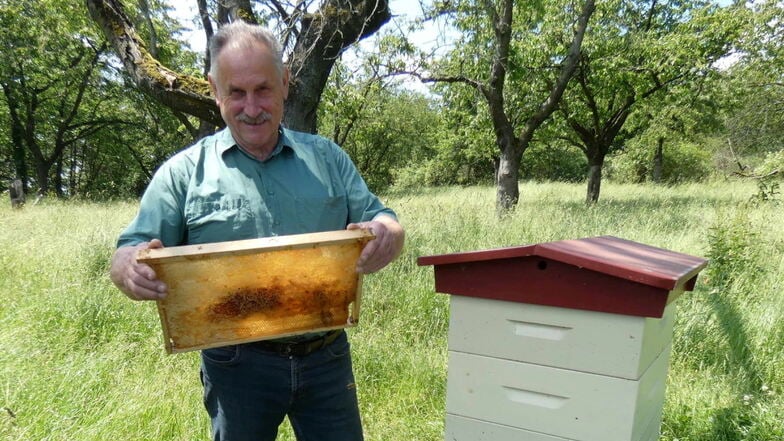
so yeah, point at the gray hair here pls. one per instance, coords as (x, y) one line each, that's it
(243, 33)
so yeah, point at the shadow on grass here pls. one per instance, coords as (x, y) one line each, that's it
(730, 423)
(732, 324)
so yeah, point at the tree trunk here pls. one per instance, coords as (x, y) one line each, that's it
(204, 15)
(594, 183)
(17, 135)
(324, 35)
(17, 193)
(42, 174)
(658, 160)
(233, 10)
(511, 147)
(507, 191)
(321, 37)
(300, 111)
(57, 182)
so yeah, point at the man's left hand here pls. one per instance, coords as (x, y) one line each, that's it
(382, 250)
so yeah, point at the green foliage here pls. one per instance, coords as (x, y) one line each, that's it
(74, 126)
(768, 192)
(682, 162)
(453, 163)
(687, 162)
(555, 162)
(733, 249)
(772, 165)
(540, 34)
(732, 332)
(755, 125)
(465, 151)
(403, 140)
(395, 137)
(643, 68)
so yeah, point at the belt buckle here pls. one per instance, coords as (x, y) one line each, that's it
(287, 349)
(304, 348)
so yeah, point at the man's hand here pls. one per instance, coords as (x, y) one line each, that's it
(136, 280)
(382, 250)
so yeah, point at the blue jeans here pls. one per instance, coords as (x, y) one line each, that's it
(248, 391)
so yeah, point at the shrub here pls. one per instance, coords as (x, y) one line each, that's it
(682, 162)
(772, 166)
(732, 249)
(553, 163)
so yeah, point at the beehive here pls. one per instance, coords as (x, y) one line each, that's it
(560, 341)
(249, 290)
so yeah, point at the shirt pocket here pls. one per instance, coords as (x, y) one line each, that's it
(219, 219)
(321, 213)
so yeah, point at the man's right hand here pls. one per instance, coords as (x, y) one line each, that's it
(136, 280)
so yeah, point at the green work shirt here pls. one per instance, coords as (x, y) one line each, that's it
(213, 191)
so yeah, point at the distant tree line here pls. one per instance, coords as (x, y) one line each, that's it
(97, 93)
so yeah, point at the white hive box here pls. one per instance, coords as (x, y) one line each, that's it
(559, 402)
(588, 341)
(468, 429)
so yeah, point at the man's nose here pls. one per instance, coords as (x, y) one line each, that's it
(253, 105)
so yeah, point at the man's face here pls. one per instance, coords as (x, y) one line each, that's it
(250, 93)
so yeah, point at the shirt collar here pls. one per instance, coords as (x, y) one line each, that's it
(225, 141)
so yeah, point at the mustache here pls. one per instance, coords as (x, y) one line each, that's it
(260, 118)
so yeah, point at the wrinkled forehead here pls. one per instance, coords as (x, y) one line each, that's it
(252, 47)
(245, 58)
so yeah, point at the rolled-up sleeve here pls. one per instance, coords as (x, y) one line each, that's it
(160, 214)
(362, 203)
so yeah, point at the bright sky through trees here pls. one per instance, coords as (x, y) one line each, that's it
(403, 11)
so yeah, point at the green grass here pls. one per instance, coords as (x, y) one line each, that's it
(79, 361)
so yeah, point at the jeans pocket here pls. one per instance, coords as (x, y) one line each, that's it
(339, 348)
(223, 356)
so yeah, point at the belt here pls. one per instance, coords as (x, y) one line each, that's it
(298, 349)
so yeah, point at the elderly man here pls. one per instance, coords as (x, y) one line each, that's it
(255, 179)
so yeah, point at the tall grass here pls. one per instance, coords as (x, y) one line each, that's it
(78, 361)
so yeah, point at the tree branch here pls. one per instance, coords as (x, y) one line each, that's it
(447, 79)
(567, 70)
(180, 92)
(206, 23)
(233, 10)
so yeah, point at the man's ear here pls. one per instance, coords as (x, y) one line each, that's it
(213, 88)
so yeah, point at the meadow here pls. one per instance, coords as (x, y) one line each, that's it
(79, 361)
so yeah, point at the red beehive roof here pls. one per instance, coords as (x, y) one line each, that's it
(600, 273)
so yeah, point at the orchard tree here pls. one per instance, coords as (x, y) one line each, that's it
(518, 57)
(48, 80)
(635, 52)
(384, 127)
(660, 133)
(755, 126)
(71, 125)
(313, 35)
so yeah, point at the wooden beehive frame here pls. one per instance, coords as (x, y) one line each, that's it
(242, 291)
